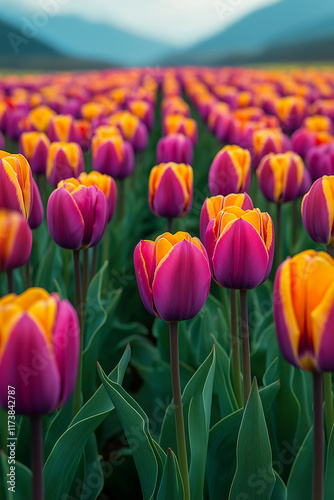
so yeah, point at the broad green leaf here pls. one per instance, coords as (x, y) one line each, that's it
(300, 479)
(221, 461)
(279, 491)
(329, 476)
(22, 480)
(61, 465)
(198, 439)
(171, 486)
(303, 388)
(254, 474)
(147, 456)
(223, 386)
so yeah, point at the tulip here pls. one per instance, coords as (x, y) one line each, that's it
(77, 215)
(65, 159)
(143, 110)
(280, 176)
(175, 148)
(173, 276)
(230, 171)
(37, 210)
(112, 155)
(15, 240)
(61, 128)
(318, 210)
(268, 141)
(92, 110)
(40, 117)
(15, 183)
(173, 124)
(132, 129)
(83, 133)
(318, 123)
(240, 246)
(34, 146)
(212, 206)
(170, 189)
(175, 106)
(291, 111)
(323, 107)
(105, 183)
(39, 336)
(304, 139)
(320, 160)
(219, 120)
(2, 141)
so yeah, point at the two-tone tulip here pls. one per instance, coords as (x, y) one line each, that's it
(170, 189)
(65, 159)
(173, 124)
(318, 210)
(77, 215)
(175, 147)
(281, 176)
(240, 246)
(304, 139)
(34, 147)
(304, 310)
(320, 160)
(173, 276)
(132, 129)
(112, 155)
(61, 128)
(37, 211)
(40, 117)
(15, 240)
(291, 111)
(230, 171)
(143, 110)
(39, 349)
(107, 185)
(16, 190)
(265, 141)
(213, 205)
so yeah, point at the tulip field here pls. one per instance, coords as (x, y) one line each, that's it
(167, 284)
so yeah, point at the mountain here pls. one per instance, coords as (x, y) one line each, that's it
(78, 37)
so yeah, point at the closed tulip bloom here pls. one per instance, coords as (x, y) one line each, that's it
(65, 160)
(83, 134)
(320, 160)
(173, 124)
(280, 176)
(304, 310)
(34, 146)
(39, 339)
(269, 140)
(318, 123)
(61, 128)
(92, 110)
(175, 147)
(40, 117)
(230, 171)
(240, 246)
(16, 190)
(318, 210)
(112, 155)
(15, 240)
(323, 107)
(132, 129)
(143, 110)
(213, 205)
(291, 111)
(107, 185)
(175, 105)
(173, 276)
(170, 189)
(37, 210)
(77, 215)
(304, 139)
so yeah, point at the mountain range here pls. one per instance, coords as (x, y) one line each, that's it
(288, 30)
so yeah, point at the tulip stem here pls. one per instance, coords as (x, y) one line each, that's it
(85, 281)
(28, 273)
(295, 222)
(235, 349)
(79, 308)
(66, 268)
(318, 438)
(94, 260)
(179, 423)
(169, 224)
(329, 415)
(120, 195)
(37, 457)
(246, 364)
(278, 235)
(10, 277)
(225, 305)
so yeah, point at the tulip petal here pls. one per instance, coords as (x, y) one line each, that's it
(143, 256)
(170, 196)
(65, 222)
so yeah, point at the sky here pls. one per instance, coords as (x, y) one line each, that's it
(178, 23)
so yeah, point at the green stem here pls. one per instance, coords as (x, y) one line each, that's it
(278, 234)
(179, 423)
(120, 198)
(329, 415)
(246, 365)
(225, 305)
(105, 244)
(94, 260)
(318, 438)
(236, 376)
(28, 273)
(78, 305)
(37, 457)
(10, 277)
(85, 274)
(169, 224)
(66, 273)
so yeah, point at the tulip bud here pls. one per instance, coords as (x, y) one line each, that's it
(77, 215)
(318, 123)
(15, 240)
(173, 276)
(304, 310)
(112, 155)
(132, 129)
(65, 159)
(107, 186)
(176, 148)
(170, 189)
(212, 206)
(240, 246)
(61, 129)
(230, 171)
(40, 117)
(34, 146)
(320, 160)
(291, 111)
(173, 124)
(268, 141)
(15, 183)
(143, 110)
(39, 351)
(303, 140)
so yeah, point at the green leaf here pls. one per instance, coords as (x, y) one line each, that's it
(223, 386)
(329, 476)
(221, 461)
(254, 476)
(300, 479)
(61, 465)
(279, 491)
(146, 453)
(198, 438)
(22, 480)
(171, 486)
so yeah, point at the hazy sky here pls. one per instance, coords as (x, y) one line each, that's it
(176, 22)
